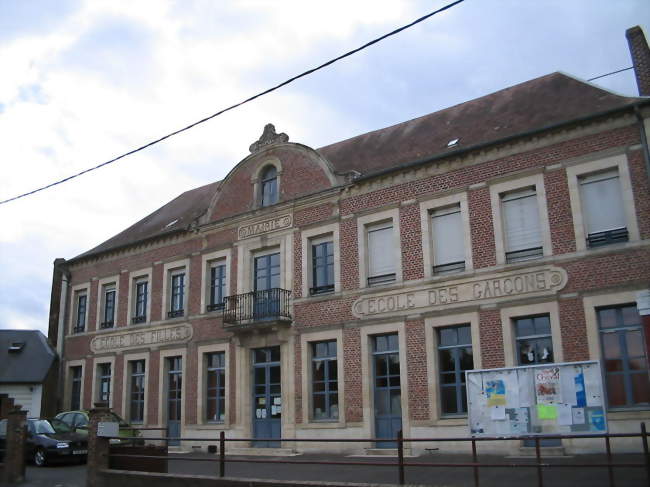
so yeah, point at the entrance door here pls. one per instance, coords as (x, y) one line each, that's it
(267, 278)
(267, 396)
(388, 393)
(174, 383)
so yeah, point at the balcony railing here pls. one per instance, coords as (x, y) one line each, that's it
(266, 305)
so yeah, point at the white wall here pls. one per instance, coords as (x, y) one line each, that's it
(26, 395)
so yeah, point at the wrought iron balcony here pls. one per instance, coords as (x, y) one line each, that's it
(269, 305)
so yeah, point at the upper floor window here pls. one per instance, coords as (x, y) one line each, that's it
(322, 254)
(624, 353)
(80, 323)
(381, 264)
(604, 213)
(108, 303)
(522, 229)
(448, 240)
(217, 285)
(269, 190)
(141, 297)
(177, 294)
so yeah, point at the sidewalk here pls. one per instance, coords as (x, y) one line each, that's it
(75, 476)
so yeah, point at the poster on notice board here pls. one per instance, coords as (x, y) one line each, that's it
(543, 399)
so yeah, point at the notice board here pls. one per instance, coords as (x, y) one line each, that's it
(547, 399)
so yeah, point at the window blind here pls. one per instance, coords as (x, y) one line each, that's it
(521, 220)
(380, 250)
(602, 202)
(448, 237)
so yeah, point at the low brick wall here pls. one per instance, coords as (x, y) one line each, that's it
(144, 479)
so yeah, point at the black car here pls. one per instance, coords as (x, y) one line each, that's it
(49, 441)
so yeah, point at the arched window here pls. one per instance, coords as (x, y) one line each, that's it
(269, 186)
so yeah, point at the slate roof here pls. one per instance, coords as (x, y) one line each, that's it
(31, 364)
(527, 107)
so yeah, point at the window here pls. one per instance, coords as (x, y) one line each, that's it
(521, 225)
(455, 357)
(104, 371)
(624, 354)
(75, 389)
(137, 391)
(269, 186)
(141, 297)
(381, 265)
(108, 317)
(448, 240)
(217, 285)
(177, 295)
(216, 387)
(534, 342)
(604, 215)
(325, 398)
(80, 323)
(322, 254)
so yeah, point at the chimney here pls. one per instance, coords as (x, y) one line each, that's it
(640, 58)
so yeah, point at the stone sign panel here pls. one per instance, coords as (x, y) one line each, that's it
(264, 226)
(145, 338)
(489, 288)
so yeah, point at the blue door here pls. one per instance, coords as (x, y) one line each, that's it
(267, 396)
(267, 279)
(174, 399)
(388, 392)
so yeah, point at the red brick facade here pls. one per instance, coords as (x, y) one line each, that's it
(614, 269)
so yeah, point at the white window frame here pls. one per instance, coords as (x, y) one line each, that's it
(497, 190)
(509, 314)
(426, 210)
(126, 385)
(68, 383)
(433, 367)
(162, 385)
(306, 341)
(76, 291)
(207, 262)
(575, 172)
(96, 363)
(202, 394)
(256, 180)
(134, 278)
(363, 223)
(103, 285)
(249, 249)
(170, 269)
(307, 238)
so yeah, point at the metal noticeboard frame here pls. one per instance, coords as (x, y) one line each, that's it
(537, 400)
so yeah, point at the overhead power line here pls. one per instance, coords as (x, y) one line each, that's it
(609, 74)
(247, 100)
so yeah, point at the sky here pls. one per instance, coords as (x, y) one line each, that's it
(84, 81)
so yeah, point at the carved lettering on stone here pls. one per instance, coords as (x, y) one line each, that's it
(120, 341)
(495, 287)
(264, 226)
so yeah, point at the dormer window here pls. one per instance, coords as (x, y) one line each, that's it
(269, 186)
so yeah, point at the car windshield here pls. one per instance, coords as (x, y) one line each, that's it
(42, 427)
(59, 426)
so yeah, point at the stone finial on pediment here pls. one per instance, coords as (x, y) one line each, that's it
(268, 137)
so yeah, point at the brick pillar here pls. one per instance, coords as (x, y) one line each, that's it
(98, 448)
(640, 54)
(14, 461)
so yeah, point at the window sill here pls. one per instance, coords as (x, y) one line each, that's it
(322, 425)
(622, 415)
(210, 427)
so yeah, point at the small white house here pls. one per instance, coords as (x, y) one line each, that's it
(27, 370)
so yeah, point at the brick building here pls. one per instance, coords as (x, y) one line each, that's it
(342, 291)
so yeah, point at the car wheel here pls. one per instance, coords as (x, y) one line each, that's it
(39, 458)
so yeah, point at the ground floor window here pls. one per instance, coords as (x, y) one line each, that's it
(534, 341)
(104, 382)
(216, 386)
(325, 394)
(624, 354)
(455, 357)
(75, 393)
(137, 391)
